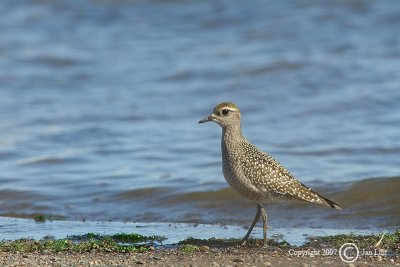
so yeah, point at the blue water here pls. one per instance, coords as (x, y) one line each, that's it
(99, 103)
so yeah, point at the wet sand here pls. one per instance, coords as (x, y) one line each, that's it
(232, 256)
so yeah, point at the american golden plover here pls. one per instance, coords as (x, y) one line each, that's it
(253, 173)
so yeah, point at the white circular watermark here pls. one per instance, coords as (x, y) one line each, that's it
(349, 252)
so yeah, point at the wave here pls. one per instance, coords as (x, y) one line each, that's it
(367, 203)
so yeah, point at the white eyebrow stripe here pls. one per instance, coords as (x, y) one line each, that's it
(222, 108)
(229, 108)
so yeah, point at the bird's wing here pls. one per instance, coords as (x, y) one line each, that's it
(268, 175)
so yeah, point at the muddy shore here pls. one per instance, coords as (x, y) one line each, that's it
(174, 257)
(130, 249)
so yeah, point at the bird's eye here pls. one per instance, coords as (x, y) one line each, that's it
(225, 112)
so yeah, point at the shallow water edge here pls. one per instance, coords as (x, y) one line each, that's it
(16, 228)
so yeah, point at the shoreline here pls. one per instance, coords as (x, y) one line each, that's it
(137, 250)
(236, 256)
(16, 228)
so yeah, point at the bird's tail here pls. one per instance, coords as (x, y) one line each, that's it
(329, 203)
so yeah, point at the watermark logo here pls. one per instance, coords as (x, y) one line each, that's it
(349, 252)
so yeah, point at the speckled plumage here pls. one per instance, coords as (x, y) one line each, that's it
(253, 173)
(257, 176)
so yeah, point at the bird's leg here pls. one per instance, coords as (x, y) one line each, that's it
(264, 218)
(256, 218)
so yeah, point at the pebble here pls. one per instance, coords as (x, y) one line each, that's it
(215, 264)
(237, 260)
(351, 265)
(94, 263)
(305, 265)
(204, 248)
(392, 260)
(267, 264)
(139, 262)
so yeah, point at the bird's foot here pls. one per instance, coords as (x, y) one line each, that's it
(265, 244)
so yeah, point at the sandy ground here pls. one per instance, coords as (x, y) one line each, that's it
(173, 257)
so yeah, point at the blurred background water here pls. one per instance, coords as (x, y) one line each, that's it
(99, 103)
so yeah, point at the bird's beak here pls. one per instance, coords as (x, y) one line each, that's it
(206, 119)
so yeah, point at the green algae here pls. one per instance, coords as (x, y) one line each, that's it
(89, 242)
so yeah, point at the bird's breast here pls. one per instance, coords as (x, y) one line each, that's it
(236, 179)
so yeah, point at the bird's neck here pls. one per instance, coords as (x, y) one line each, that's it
(231, 137)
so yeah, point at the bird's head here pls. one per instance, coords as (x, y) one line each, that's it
(226, 114)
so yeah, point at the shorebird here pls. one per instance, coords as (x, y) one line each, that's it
(253, 173)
